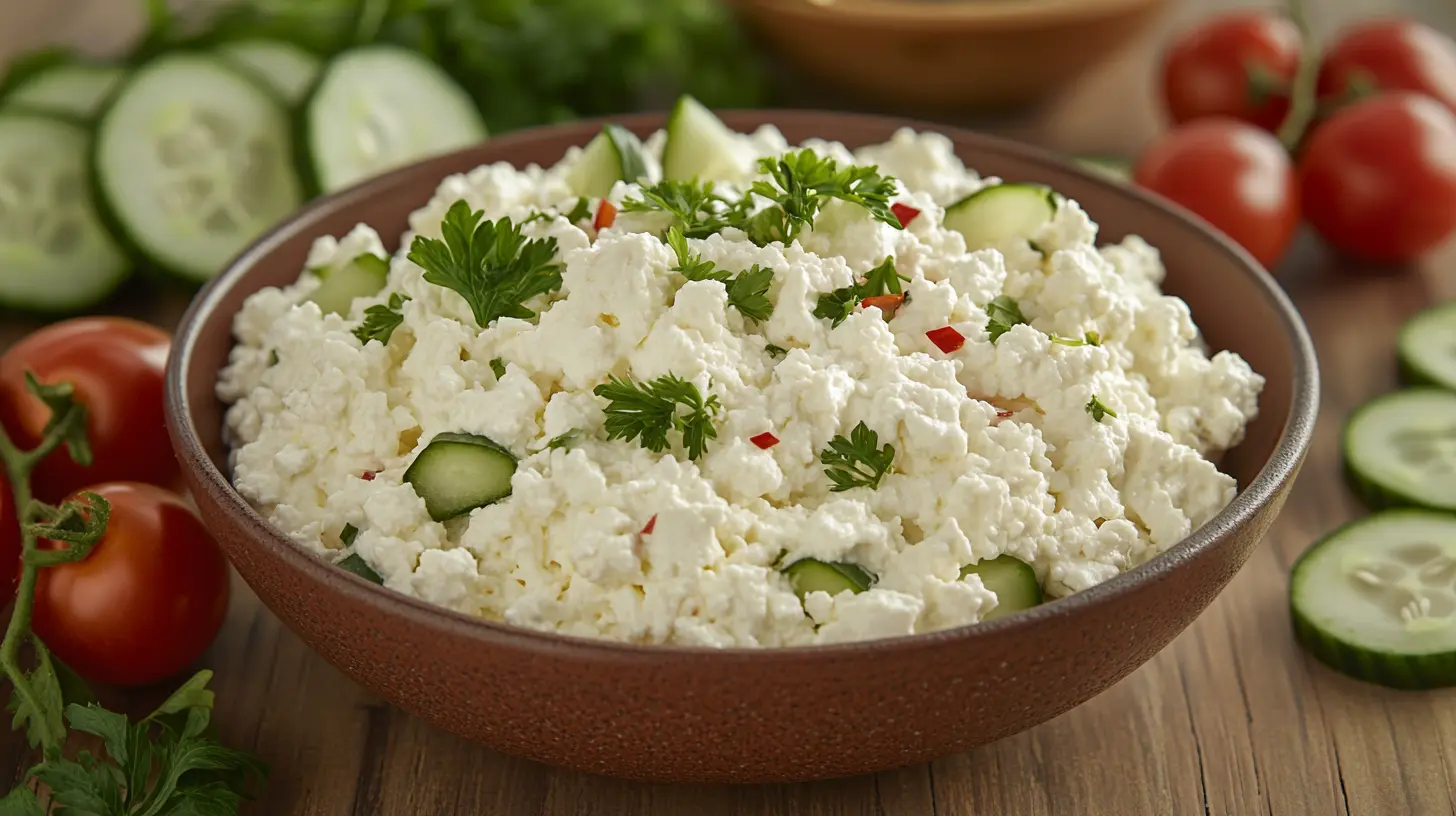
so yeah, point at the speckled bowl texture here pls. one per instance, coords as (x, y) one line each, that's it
(741, 715)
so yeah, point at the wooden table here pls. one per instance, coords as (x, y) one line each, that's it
(1231, 719)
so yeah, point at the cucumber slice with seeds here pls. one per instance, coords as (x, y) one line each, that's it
(55, 254)
(698, 145)
(1013, 581)
(380, 107)
(364, 276)
(1376, 599)
(1400, 449)
(1426, 347)
(1000, 212)
(613, 155)
(284, 67)
(71, 89)
(833, 577)
(193, 162)
(458, 472)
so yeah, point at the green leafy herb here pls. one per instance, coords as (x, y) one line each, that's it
(801, 182)
(498, 367)
(580, 212)
(380, 321)
(839, 304)
(348, 534)
(648, 411)
(355, 563)
(776, 352)
(858, 461)
(1002, 313)
(567, 441)
(697, 211)
(1091, 338)
(489, 263)
(747, 291)
(1098, 410)
(1035, 247)
(273, 358)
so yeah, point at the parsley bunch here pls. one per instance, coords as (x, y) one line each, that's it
(1001, 314)
(747, 291)
(838, 305)
(649, 410)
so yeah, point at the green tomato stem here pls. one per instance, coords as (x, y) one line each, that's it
(1302, 103)
(18, 466)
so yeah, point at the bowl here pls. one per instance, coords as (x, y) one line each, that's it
(672, 713)
(945, 54)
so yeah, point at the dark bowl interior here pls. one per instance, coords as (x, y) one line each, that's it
(676, 713)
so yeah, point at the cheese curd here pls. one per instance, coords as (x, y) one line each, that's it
(996, 451)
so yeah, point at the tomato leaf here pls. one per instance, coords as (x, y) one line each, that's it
(111, 727)
(43, 727)
(68, 417)
(21, 802)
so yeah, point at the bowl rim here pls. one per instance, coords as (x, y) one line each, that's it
(930, 13)
(1282, 464)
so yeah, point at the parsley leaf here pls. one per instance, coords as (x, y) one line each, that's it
(689, 264)
(498, 367)
(839, 304)
(489, 263)
(649, 410)
(567, 441)
(776, 352)
(801, 182)
(1098, 410)
(747, 291)
(693, 205)
(857, 461)
(1091, 338)
(380, 321)
(580, 212)
(1002, 313)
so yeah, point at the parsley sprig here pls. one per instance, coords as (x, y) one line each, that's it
(1091, 338)
(489, 263)
(801, 182)
(1098, 410)
(839, 304)
(747, 291)
(648, 411)
(381, 320)
(1001, 314)
(697, 210)
(857, 461)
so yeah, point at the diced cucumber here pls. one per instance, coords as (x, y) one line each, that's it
(994, 214)
(363, 276)
(613, 155)
(699, 145)
(193, 162)
(1400, 449)
(458, 472)
(380, 107)
(55, 254)
(356, 564)
(284, 67)
(1013, 581)
(71, 89)
(1108, 167)
(1426, 347)
(833, 577)
(1376, 599)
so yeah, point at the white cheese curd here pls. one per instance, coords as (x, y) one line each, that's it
(1080, 442)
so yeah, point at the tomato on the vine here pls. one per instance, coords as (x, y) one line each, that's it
(1379, 178)
(9, 542)
(1239, 65)
(1234, 175)
(1389, 55)
(146, 602)
(117, 367)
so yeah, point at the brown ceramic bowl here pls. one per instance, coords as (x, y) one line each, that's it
(946, 54)
(754, 715)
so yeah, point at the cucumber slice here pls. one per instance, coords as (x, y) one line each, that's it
(613, 155)
(380, 107)
(699, 145)
(55, 254)
(1400, 449)
(284, 67)
(999, 212)
(812, 575)
(1013, 581)
(192, 160)
(1426, 347)
(1111, 168)
(72, 89)
(364, 276)
(458, 472)
(1376, 599)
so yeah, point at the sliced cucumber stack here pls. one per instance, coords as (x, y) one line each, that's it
(699, 145)
(284, 67)
(55, 254)
(1400, 449)
(192, 160)
(1376, 599)
(613, 155)
(1427, 347)
(832, 577)
(458, 472)
(1000, 212)
(68, 89)
(1013, 581)
(379, 107)
(363, 276)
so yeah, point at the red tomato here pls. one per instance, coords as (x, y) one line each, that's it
(1239, 65)
(117, 368)
(9, 542)
(1392, 55)
(1233, 175)
(146, 602)
(1379, 178)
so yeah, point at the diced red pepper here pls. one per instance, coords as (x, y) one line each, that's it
(1005, 414)
(650, 525)
(606, 215)
(887, 304)
(368, 476)
(905, 213)
(764, 440)
(946, 338)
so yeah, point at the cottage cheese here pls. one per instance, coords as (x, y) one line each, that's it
(1080, 500)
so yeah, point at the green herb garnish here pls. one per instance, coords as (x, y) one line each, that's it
(747, 291)
(580, 212)
(857, 461)
(1091, 338)
(776, 352)
(1002, 313)
(1098, 410)
(380, 321)
(696, 210)
(839, 304)
(649, 410)
(567, 441)
(498, 367)
(801, 182)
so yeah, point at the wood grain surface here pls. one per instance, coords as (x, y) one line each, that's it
(1231, 719)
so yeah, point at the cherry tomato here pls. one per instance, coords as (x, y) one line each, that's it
(1379, 178)
(1393, 55)
(1239, 65)
(146, 602)
(117, 368)
(1233, 175)
(9, 542)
